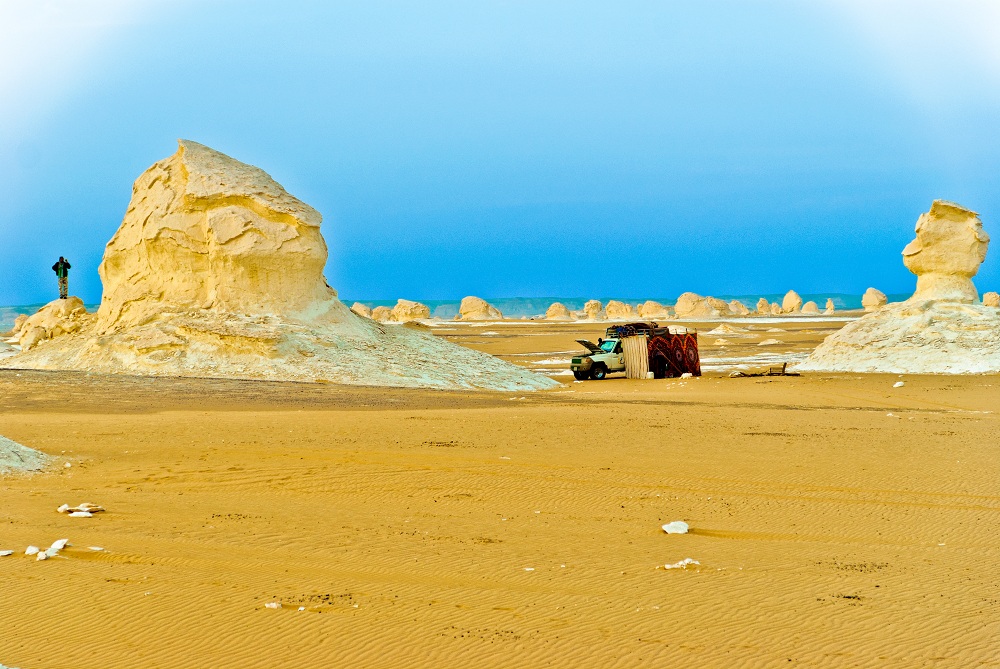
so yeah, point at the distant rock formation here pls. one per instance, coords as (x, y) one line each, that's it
(873, 299)
(830, 308)
(361, 310)
(940, 329)
(382, 314)
(557, 311)
(651, 310)
(217, 271)
(775, 309)
(594, 310)
(693, 305)
(737, 308)
(616, 310)
(792, 303)
(477, 309)
(991, 299)
(810, 308)
(406, 311)
(763, 307)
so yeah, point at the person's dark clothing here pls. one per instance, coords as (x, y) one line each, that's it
(61, 268)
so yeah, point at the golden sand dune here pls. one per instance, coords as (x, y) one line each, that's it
(838, 521)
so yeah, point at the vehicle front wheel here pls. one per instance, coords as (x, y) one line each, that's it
(581, 376)
(599, 372)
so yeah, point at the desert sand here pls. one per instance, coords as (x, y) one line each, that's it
(837, 520)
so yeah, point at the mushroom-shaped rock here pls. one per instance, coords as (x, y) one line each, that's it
(557, 311)
(830, 307)
(949, 248)
(217, 271)
(938, 330)
(651, 309)
(810, 308)
(763, 307)
(594, 310)
(361, 310)
(408, 310)
(477, 309)
(791, 302)
(873, 299)
(616, 310)
(991, 299)
(737, 308)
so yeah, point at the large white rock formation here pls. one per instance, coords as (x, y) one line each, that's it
(617, 311)
(408, 310)
(941, 329)
(477, 309)
(873, 299)
(791, 303)
(991, 299)
(217, 271)
(558, 311)
(652, 309)
(594, 310)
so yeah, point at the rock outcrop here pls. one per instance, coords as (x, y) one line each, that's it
(361, 310)
(791, 303)
(594, 310)
(991, 299)
(830, 307)
(763, 307)
(616, 310)
(873, 299)
(810, 308)
(737, 308)
(406, 311)
(775, 309)
(216, 271)
(693, 305)
(58, 317)
(938, 330)
(382, 314)
(478, 309)
(557, 311)
(947, 252)
(651, 310)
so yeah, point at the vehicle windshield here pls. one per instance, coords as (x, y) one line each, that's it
(609, 345)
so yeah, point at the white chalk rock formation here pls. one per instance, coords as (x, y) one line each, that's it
(693, 305)
(557, 311)
(407, 310)
(477, 309)
(737, 308)
(830, 308)
(216, 271)
(616, 310)
(15, 457)
(650, 309)
(792, 303)
(810, 308)
(594, 310)
(382, 314)
(775, 309)
(763, 307)
(991, 299)
(56, 318)
(873, 299)
(938, 330)
(361, 310)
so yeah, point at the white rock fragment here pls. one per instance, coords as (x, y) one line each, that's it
(273, 605)
(63, 509)
(81, 514)
(59, 544)
(31, 550)
(68, 465)
(44, 555)
(683, 564)
(898, 384)
(95, 548)
(676, 527)
(6, 553)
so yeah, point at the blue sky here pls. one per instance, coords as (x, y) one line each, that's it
(516, 148)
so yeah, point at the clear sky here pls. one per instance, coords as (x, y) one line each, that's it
(517, 148)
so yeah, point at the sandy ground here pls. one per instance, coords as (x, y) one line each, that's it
(838, 521)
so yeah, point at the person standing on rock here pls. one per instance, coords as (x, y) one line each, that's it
(61, 268)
